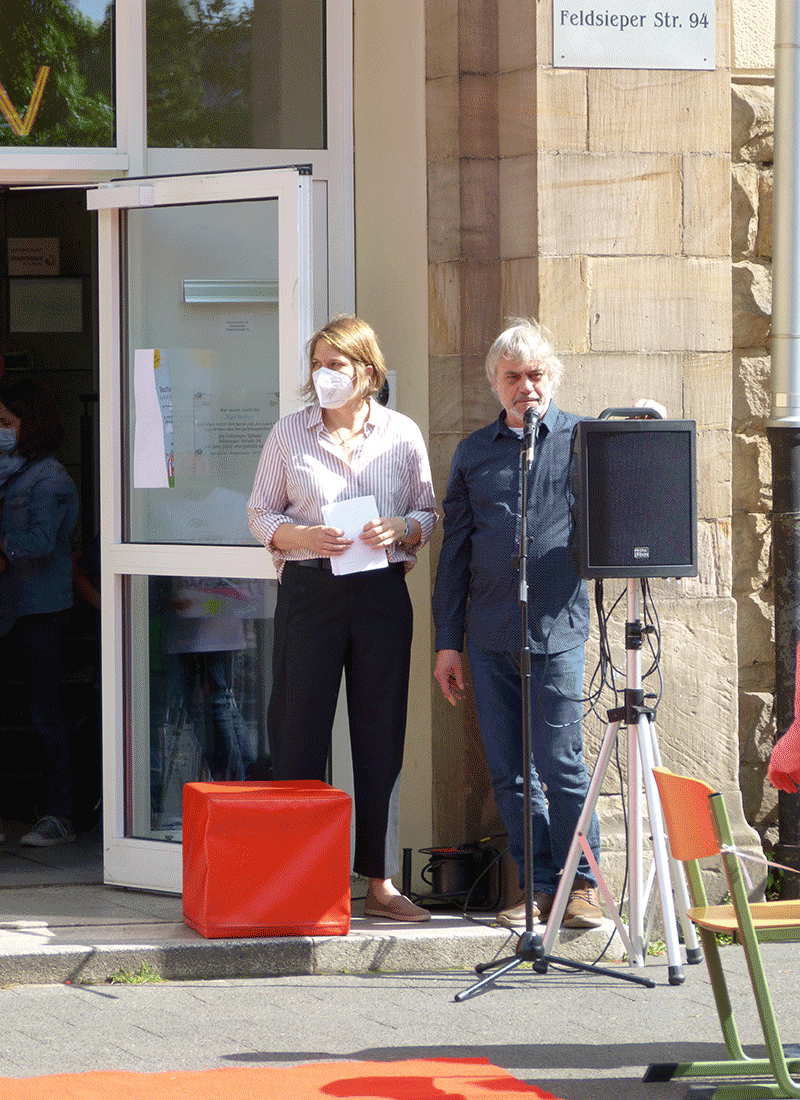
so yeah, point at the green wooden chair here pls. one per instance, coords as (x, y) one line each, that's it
(698, 827)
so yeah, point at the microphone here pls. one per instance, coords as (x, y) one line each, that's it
(530, 423)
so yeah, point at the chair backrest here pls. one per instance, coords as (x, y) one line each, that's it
(688, 814)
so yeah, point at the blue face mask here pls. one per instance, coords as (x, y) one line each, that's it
(8, 440)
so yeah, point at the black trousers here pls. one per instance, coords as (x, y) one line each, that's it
(359, 624)
(42, 640)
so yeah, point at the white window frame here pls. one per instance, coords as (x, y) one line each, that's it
(332, 168)
(129, 861)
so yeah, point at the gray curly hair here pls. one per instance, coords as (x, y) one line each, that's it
(524, 341)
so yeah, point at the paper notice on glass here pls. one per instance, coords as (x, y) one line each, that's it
(150, 460)
(351, 516)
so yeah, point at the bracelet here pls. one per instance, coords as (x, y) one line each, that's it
(406, 532)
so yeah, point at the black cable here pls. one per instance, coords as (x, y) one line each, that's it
(494, 863)
(426, 871)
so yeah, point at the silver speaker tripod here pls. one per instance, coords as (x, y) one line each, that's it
(643, 755)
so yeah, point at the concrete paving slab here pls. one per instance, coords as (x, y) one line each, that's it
(60, 923)
(386, 991)
(578, 1036)
(66, 949)
(62, 864)
(84, 905)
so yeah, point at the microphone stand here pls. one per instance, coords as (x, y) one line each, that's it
(530, 946)
(530, 940)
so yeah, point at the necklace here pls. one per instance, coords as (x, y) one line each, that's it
(346, 442)
(340, 435)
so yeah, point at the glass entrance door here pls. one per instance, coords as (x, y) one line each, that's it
(205, 301)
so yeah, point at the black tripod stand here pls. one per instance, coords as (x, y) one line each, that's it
(530, 946)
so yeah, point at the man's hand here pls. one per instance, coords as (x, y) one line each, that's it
(784, 764)
(449, 674)
(646, 403)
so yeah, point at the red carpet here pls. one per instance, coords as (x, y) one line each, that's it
(432, 1079)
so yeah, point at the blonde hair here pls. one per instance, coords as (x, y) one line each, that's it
(354, 338)
(524, 341)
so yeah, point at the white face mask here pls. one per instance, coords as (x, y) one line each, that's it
(334, 389)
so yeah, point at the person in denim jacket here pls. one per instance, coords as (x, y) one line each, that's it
(38, 508)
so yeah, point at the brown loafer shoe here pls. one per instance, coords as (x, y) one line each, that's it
(515, 916)
(544, 903)
(583, 908)
(398, 907)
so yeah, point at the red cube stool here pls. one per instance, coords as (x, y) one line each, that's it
(266, 859)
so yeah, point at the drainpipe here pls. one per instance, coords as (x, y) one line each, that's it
(783, 427)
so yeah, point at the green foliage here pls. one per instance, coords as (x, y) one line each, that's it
(772, 891)
(200, 85)
(143, 975)
(198, 74)
(74, 110)
(723, 938)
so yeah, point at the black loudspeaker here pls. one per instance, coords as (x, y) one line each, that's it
(635, 484)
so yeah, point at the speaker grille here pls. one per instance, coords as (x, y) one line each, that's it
(635, 507)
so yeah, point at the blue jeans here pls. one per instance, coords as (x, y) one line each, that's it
(231, 752)
(559, 780)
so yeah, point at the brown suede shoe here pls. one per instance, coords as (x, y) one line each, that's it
(398, 907)
(515, 916)
(583, 908)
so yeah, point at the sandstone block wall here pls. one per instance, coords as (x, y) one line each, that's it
(752, 134)
(599, 202)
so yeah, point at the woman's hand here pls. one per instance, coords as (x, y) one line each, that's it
(323, 542)
(326, 542)
(383, 533)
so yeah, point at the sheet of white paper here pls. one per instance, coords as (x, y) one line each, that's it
(149, 460)
(350, 516)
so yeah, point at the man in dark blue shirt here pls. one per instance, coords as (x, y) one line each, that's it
(477, 594)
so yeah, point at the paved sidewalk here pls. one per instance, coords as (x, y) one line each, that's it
(384, 992)
(58, 923)
(578, 1036)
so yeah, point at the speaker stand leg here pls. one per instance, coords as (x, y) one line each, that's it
(642, 754)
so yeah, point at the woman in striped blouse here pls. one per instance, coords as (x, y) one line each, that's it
(345, 445)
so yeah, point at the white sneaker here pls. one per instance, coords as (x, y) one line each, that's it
(49, 831)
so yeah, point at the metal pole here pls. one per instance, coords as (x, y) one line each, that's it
(783, 428)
